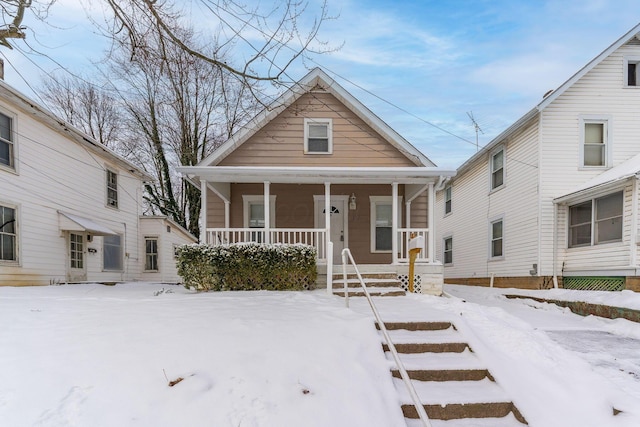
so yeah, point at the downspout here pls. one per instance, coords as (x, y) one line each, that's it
(634, 225)
(555, 245)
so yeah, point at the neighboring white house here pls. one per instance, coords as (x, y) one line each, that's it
(556, 194)
(69, 207)
(160, 237)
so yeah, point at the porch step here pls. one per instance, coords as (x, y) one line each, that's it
(371, 275)
(370, 282)
(454, 386)
(374, 292)
(378, 284)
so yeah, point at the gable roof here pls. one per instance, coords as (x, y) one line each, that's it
(522, 121)
(41, 114)
(316, 77)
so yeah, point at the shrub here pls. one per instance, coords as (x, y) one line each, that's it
(247, 266)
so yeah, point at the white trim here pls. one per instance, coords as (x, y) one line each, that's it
(110, 170)
(318, 121)
(144, 263)
(607, 121)
(373, 201)
(14, 143)
(625, 71)
(248, 199)
(499, 218)
(444, 199)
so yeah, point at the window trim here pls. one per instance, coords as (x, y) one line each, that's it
(157, 254)
(625, 78)
(444, 250)
(249, 199)
(329, 123)
(373, 202)
(607, 121)
(491, 238)
(593, 222)
(108, 201)
(13, 165)
(104, 268)
(16, 214)
(504, 168)
(448, 192)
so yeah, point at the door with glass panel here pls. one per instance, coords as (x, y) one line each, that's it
(77, 265)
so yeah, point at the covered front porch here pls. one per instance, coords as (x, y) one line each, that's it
(372, 211)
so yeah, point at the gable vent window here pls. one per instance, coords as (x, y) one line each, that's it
(318, 136)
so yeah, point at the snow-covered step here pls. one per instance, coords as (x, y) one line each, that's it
(402, 336)
(374, 292)
(369, 282)
(417, 326)
(507, 421)
(433, 361)
(458, 399)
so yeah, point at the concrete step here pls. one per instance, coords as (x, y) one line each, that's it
(458, 399)
(417, 326)
(449, 347)
(373, 275)
(374, 292)
(507, 421)
(445, 374)
(405, 336)
(465, 360)
(370, 283)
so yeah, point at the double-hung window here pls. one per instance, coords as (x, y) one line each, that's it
(497, 169)
(151, 254)
(497, 238)
(318, 136)
(596, 221)
(447, 200)
(8, 234)
(447, 244)
(595, 132)
(382, 223)
(112, 252)
(6, 141)
(112, 189)
(254, 214)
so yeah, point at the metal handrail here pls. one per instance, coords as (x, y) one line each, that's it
(422, 414)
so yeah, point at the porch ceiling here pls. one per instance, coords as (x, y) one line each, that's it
(316, 175)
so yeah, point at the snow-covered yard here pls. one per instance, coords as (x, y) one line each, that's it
(93, 355)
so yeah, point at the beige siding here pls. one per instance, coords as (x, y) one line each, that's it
(599, 92)
(281, 141)
(474, 206)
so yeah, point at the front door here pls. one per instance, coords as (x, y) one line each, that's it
(339, 223)
(77, 264)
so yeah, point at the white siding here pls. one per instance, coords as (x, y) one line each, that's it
(600, 92)
(474, 206)
(169, 235)
(55, 174)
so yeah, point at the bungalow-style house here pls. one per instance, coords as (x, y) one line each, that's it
(553, 200)
(69, 207)
(160, 237)
(318, 167)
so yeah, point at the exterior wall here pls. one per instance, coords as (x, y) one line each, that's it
(55, 174)
(599, 92)
(474, 206)
(281, 141)
(169, 235)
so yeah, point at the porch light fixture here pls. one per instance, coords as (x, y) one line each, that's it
(352, 202)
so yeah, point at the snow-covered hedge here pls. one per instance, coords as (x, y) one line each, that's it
(247, 266)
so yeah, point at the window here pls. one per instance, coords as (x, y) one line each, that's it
(382, 223)
(497, 240)
(497, 169)
(595, 137)
(151, 254)
(112, 253)
(76, 250)
(6, 141)
(318, 136)
(112, 189)
(254, 211)
(632, 72)
(448, 250)
(596, 221)
(447, 200)
(8, 234)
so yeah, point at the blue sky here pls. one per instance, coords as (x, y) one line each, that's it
(413, 63)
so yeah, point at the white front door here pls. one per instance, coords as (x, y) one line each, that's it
(339, 223)
(77, 263)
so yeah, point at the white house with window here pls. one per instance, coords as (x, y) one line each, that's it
(554, 198)
(320, 168)
(69, 207)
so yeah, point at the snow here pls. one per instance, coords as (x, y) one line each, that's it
(94, 355)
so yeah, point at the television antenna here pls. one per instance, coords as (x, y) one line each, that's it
(476, 126)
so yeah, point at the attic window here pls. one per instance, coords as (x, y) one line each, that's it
(632, 72)
(318, 136)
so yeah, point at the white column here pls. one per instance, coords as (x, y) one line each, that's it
(394, 222)
(267, 213)
(227, 220)
(407, 208)
(430, 220)
(328, 243)
(203, 211)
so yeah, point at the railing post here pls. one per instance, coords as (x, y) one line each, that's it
(329, 267)
(394, 222)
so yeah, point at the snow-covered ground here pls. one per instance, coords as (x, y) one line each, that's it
(93, 355)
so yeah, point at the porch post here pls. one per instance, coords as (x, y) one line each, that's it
(394, 223)
(407, 208)
(432, 235)
(203, 211)
(267, 213)
(328, 243)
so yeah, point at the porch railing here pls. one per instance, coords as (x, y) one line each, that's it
(404, 236)
(315, 237)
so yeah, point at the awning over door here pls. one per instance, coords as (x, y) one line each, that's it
(70, 222)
